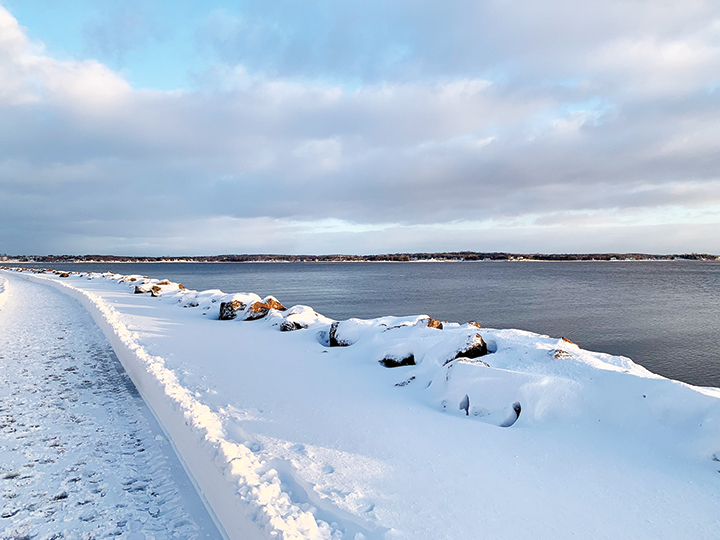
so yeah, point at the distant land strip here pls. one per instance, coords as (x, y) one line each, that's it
(387, 257)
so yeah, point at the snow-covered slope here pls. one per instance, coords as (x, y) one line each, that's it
(3, 290)
(297, 426)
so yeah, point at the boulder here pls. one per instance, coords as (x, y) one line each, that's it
(474, 324)
(163, 282)
(258, 310)
(228, 310)
(430, 323)
(64, 274)
(475, 348)
(290, 326)
(155, 291)
(142, 289)
(334, 338)
(393, 361)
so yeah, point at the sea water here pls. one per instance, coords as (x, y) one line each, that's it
(665, 315)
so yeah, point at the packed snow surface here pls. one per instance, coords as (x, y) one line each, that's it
(80, 454)
(297, 426)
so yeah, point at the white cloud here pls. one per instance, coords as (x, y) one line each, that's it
(29, 76)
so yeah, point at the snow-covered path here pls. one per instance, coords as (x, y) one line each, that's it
(80, 454)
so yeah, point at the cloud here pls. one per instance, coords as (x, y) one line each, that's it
(28, 76)
(419, 156)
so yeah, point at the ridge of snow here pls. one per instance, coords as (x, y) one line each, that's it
(3, 290)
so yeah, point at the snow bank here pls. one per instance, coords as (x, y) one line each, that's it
(3, 290)
(298, 426)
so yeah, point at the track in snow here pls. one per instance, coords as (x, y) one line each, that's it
(80, 454)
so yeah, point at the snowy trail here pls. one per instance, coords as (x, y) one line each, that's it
(80, 454)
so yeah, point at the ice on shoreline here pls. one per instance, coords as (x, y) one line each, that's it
(298, 426)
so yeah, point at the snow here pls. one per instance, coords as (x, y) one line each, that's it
(80, 454)
(3, 291)
(289, 437)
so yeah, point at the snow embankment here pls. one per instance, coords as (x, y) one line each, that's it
(3, 290)
(298, 426)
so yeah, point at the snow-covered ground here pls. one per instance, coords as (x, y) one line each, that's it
(80, 454)
(290, 434)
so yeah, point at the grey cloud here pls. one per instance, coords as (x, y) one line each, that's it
(407, 162)
(526, 42)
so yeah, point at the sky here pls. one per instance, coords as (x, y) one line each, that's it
(206, 127)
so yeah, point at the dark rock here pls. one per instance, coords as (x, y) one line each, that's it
(475, 349)
(566, 340)
(228, 310)
(334, 339)
(290, 326)
(392, 361)
(155, 291)
(259, 309)
(65, 274)
(406, 381)
(142, 289)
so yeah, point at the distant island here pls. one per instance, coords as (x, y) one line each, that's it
(387, 257)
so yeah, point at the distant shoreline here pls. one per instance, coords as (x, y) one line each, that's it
(464, 256)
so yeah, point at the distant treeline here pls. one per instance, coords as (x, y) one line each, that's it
(388, 257)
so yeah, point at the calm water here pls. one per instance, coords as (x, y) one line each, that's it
(663, 315)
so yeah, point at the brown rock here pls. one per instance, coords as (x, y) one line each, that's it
(155, 291)
(64, 274)
(431, 323)
(566, 340)
(181, 286)
(259, 309)
(163, 282)
(228, 310)
(142, 289)
(474, 324)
